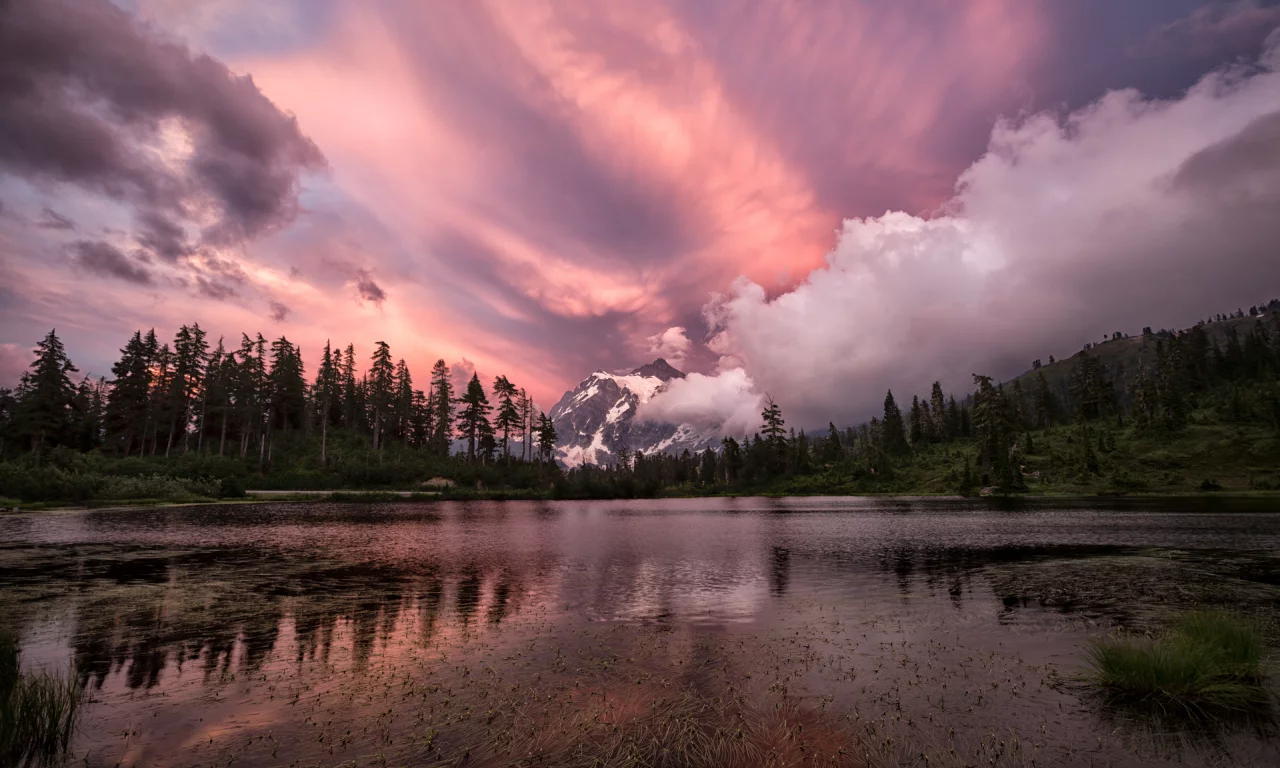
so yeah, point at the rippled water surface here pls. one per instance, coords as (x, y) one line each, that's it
(717, 631)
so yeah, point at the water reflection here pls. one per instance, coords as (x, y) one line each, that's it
(760, 598)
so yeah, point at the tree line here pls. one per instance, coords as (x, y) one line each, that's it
(372, 426)
(186, 397)
(989, 431)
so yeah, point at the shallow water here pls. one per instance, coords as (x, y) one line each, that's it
(497, 633)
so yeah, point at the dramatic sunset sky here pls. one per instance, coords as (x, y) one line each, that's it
(812, 198)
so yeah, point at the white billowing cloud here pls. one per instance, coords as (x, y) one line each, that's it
(672, 344)
(1128, 212)
(727, 399)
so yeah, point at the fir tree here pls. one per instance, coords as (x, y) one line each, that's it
(381, 389)
(402, 408)
(894, 437)
(938, 415)
(47, 398)
(351, 406)
(325, 393)
(190, 353)
(916, 421)
(995, 433)
(286, 386)
(443, 400)
(126, 413)
(1046, 405)
(507, 418)
(473, 416)
(775, 435)
(546, 438)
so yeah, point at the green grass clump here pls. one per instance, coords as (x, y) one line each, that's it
(1208, 661)
(38, 712)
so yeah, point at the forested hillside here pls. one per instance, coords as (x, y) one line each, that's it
(1196, 410)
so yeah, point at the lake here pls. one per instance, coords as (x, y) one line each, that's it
(693, 631)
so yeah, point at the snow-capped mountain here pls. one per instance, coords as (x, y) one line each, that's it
(596, 419)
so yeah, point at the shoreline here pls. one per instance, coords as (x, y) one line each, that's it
(259, 497)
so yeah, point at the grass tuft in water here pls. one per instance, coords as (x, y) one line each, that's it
(1209, 661)
(38, 712)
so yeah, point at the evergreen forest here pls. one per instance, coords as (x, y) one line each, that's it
(1189, 411)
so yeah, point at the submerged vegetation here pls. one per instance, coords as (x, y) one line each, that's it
(1191, 411)
(1208, 662)
(38, 711)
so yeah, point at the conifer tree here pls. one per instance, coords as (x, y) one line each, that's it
(938, 414)
(1016, 402)
(47, 398)
(775, 436)
(381, 388)
(215, 395)
(546, 438)
(894, 432)
(995, 433)
(443, 400)
(832, 450)
(473, 416)
(507, 419)
(404, 403)
(286, 385)
(955, 426)
(916, 421)
(1046, 404)
(524, 404)
(351, 405)
(420, 420)
(126, 412)
(249, 393)
(161, 389)
(190, 352)
(325, 394)
(90, 411)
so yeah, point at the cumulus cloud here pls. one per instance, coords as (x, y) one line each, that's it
(95, 100)
(103, 258)
(728, 399)
(672, 344)
(460, 373)
(1128, 212)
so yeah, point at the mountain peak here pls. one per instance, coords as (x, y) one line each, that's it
(659, 368)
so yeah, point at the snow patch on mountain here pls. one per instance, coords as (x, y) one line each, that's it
(596, 420)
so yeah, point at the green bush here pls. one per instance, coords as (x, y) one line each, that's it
(1207, 661)
(31, 483)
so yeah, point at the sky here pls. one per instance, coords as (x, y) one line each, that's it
(816, 201)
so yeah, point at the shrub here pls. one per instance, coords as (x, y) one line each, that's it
(1207, 661)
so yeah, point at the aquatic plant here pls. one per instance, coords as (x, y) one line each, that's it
(1207, 661)
(38, 711)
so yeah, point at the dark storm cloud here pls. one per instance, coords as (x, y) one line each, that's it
(279, 311)
(214, 288)
(105, 259)
(369, 290)
(51, 219)
(86, 93)
(1214, 29)
(1250, 157)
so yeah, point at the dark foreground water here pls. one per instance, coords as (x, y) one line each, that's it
(712, 632)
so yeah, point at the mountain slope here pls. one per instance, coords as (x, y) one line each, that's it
(596, 420)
